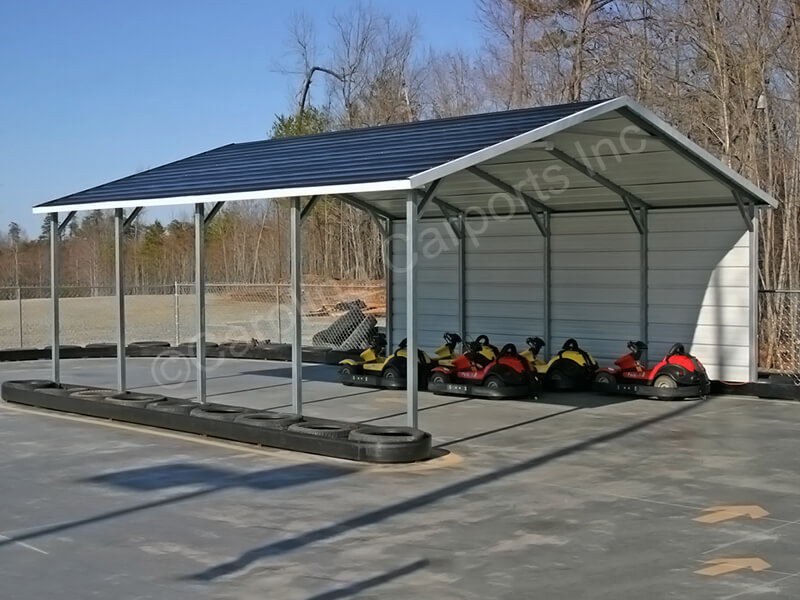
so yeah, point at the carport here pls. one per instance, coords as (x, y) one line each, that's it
(593, 220)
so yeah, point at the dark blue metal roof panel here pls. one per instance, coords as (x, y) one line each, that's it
(373, 154)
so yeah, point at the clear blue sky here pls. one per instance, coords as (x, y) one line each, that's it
(93, 90)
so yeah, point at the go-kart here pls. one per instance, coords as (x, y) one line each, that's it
(679, 375)
(571, 369)
(447, 351)
(373, 354)
(388, 372)
(481, 373)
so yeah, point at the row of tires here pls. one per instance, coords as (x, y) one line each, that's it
(264, 427)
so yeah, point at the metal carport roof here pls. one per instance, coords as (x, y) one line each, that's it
(626, 143)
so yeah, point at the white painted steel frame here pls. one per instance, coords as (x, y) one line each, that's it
(55, 343)
(412, 366)
(297, 306)
(200, 298)
(119, 280)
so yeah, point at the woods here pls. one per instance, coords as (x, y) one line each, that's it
(725, 73)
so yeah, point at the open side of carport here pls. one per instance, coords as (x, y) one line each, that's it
(551, 195)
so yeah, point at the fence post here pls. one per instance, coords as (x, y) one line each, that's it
(278, 309)
(19, 303)
(177, 313)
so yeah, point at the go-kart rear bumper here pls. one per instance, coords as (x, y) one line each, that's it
(635, 389)
(525, 390)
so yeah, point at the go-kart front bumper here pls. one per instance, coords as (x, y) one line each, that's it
(525, 390)
(377, 381)
(681, 392)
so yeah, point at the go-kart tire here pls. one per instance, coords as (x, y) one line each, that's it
(93, 394)
(372, 434)
(219, 412)
(268, 419)
(665, 381)
(323, 430)
(440, 378)
(133, 399)
(604, 379)
(493, 382)
(391, 372)
(347, 371)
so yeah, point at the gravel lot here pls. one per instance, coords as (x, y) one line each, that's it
(88, 320)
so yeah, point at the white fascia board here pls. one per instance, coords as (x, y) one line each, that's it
(519, 141)
(668, 131)
(320, 190)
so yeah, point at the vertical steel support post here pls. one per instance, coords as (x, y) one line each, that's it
(177, 314)
(54, 316)
(754, 296)
(462, 280)
(547, 271)
(412, 366)
(19, 307)
(644, 273)
(388, 273)
(297, 307)
(119, 276)
(200, 298)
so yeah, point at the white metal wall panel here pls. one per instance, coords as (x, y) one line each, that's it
(699, 288)
(595, 282)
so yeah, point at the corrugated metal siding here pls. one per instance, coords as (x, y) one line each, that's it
(700, 288)
(383, 153)
(595, 282)
(698, 285)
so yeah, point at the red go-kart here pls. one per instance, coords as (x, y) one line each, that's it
(479, 373)
(678, 375)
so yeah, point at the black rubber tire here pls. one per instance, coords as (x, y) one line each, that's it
(268, 419)
(174, 406)
(101, 350)
(348, 370)
(377, 435)
(93, 394)
(391, 372)
(31, 384)
(604, 379)
(134, 399)
(323, 430)
(665, 382)
(159, 344)
(493, 382)
(440, 378)
(61, 391)
(219, 412)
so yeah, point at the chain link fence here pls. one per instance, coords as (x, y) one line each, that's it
(338, 315)
(779, 332)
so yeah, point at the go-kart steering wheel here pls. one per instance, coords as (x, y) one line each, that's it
(452, 338)
(482, 340)
(676, 349)
(474, 346)
(636, 346)
(535, 342)
(508, 350)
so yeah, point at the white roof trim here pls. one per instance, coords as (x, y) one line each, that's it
(319, 190)
(471, 160)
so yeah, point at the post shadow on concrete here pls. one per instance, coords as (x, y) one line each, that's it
(353, 589)
(163, 477)
(385, 513)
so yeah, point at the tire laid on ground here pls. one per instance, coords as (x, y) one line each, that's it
(321, 429)
(374, 434)
(174, 406)
(133, 399)
(268, 419)
(64, 390)
(93, 394)
(190, 348)
(219, 412)
(101, 350)
(31, 384)
(148, 344)
(665, 381)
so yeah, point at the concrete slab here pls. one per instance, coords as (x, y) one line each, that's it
(574, 496)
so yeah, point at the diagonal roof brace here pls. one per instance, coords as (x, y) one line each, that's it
(131, 218)
(378, 215)
(213, 212)
(746, 209)
(630, 200)
(429, 192)
(536, 208)
(63, 225)
(307, 208)
(454, 216)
